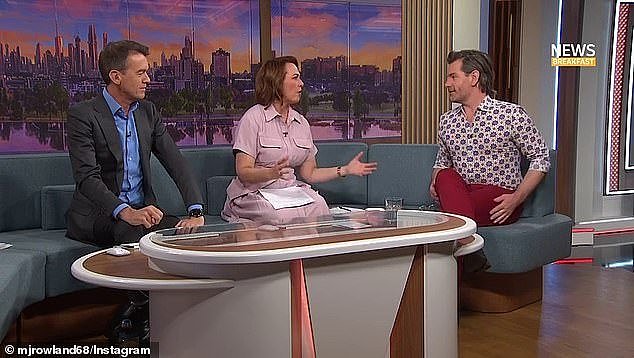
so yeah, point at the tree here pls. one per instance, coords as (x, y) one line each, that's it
(341, 102)
(17, 111)
(60, 96)
(4, 102)
(359, 107)
(226, 98)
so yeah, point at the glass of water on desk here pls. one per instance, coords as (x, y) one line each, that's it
(392, 205)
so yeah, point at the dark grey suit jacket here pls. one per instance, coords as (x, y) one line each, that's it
(96, 158)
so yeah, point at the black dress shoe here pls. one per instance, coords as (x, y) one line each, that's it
(132, 324)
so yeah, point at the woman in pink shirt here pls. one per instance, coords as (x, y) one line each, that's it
(272, 141)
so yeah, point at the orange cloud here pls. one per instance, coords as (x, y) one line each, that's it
(309, 25)
(144, 23)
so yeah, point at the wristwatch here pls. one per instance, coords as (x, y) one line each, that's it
(195, 213)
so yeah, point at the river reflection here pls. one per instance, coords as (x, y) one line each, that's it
(50, 136)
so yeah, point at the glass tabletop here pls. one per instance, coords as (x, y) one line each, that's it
(325, 229)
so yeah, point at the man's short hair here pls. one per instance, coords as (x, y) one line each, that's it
(115, 56)
(476, 60)
(269, 79)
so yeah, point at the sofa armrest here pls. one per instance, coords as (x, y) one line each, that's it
(217, 193)
(542, 201)
(56, 200)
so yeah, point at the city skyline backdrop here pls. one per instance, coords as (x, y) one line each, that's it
(203, 59)
(310, 29)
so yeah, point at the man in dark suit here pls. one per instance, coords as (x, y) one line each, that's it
(110, 140)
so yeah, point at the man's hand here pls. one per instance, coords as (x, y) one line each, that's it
(188, 226)
(147, 216)
(432, 191)
(508, 204)
(191, 222)
(358, 168)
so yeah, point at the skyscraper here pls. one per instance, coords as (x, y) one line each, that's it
(59, 43)
(163, 59)
(77, 54)
(104, 39)
(187, 62)
(71, 60)
(188, 49)
(38, 56)
(397, 66)
(84, 62)
(59, 48)
(221, 64)
(17, 67)
(92, 48)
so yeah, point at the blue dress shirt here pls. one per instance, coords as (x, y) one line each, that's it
(132, 186)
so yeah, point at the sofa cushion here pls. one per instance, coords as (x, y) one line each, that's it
(21, 283)
(204, 163)
(60, 253)
(21, 180)
(348, 190)
(404, 170)
(528, 243)
(217, 193)
(56, 200)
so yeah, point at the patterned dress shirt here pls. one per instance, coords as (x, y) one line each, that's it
(489, 149)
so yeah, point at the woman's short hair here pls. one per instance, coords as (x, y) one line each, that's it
(115, 56)
(269, 79)
(476, 60)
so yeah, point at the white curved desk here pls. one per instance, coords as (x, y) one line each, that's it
(133, 273)
(349, 286)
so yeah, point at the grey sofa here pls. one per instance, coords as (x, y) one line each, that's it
(35, 191)
(539, 237)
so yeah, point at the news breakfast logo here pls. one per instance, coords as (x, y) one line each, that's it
(573, 55)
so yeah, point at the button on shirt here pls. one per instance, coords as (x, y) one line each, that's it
(132, 186)
(489, 149)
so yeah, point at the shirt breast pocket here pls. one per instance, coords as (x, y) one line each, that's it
(270, 150)
(301, 149)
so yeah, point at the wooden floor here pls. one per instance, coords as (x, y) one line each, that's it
(587, 311)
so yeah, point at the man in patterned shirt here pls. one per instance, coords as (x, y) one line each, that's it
(477, 170)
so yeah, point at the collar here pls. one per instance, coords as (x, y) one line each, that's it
(114, 105)
(271, 113)
(487, 104)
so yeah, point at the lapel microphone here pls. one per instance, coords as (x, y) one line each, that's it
(285, 134)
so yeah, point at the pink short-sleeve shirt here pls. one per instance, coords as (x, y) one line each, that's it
(263, 135)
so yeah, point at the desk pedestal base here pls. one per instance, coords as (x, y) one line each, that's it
(350, 307)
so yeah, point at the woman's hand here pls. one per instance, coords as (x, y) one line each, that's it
(356, 167)
(282, 169)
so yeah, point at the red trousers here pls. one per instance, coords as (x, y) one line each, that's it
(471, 200)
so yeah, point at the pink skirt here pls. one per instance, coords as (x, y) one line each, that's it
(253, 207)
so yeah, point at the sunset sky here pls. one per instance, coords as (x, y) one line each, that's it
(307, 29)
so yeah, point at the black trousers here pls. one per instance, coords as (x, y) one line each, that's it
(109, 231)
